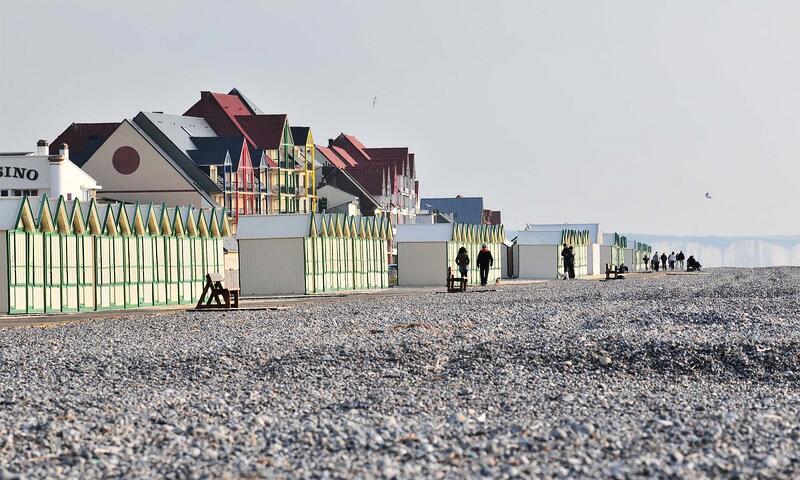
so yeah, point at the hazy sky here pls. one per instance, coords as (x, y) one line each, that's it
(618, 112)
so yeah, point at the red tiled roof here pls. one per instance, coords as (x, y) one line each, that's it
(265, 130)
(356, 143)
(344, 156)
(371, 178)
(83, 139)
(221, 111)
(331, 157)
(397, 156)
(352, 146)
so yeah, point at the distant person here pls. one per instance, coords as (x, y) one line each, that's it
(646, 260)
(655, 261)
(680, 257)
(564, 257)
(692, 265)
(671, 260)
(664, 261)
(484, 261)
(571, 262)
(462, 260)
(622, 268)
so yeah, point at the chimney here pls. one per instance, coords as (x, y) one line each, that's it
(42, 147)
(63, 151)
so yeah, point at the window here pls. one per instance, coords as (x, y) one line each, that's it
(3, 193)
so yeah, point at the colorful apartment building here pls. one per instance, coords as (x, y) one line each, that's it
(292, 180)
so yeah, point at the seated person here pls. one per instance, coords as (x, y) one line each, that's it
(622, 268)
(692, 265)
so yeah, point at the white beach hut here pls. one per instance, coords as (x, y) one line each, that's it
(537, 254)
(307, 253)
(424, 252)
(612, 250)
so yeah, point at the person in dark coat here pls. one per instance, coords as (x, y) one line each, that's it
(646, 261)
(462, 260)
(664, 261)
(680, 258)
(484, 261)
(564, 257)
(571, 262)
(692, 265)
(655, 261)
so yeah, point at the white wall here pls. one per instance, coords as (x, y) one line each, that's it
(630, 259)
(595, 267)
(421, 264)
(272, 266)
(605, 256)
(537, 262)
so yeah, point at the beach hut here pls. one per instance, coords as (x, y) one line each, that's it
(425, 251)
(83, 256)
(612, 250)
(593, 265)
(634, 254)
(537, 254)
(300, 254)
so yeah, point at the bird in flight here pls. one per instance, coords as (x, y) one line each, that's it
(374, 99)
(708, 195)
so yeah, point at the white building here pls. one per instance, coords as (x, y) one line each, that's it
(594, 265)
(612, 250)
(37, 173)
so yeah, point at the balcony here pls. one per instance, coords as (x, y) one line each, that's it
(301, 191)
(287, 190)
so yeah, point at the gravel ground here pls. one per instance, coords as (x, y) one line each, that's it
(678, 376)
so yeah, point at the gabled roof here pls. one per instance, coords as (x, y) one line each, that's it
(344, 156)
(252, 106)
(204, 158)
(353, 146)
(265, 130)
(260, 159)
(83, 139)
(220, 111)
(173, 135)
(232, 145)
(330, 156)
(300, 135)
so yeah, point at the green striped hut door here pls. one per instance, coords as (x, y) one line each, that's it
(384, 264)
(36, 278)
(52, 273)
(146, 270)
(69, 276)
(159, 272)
(102, 253)
(186, 275)
(130, 252)
(319, 266)
(118, 272)
(198, 274)
(18, 271)
(87, 297)
(173, 269)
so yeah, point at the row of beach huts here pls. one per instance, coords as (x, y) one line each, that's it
(72, 256)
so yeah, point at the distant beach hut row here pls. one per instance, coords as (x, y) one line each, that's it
(75, 256)
(300, 254)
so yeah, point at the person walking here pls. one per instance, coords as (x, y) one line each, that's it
(564, 259)
(646, 260)
(484, 261)
(571, 263)
(671, 260)
(664, 261)
(680, 258)
(655, 261)
(462, 260)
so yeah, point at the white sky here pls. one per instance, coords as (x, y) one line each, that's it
(541, 107)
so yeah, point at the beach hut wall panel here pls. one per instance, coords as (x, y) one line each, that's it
(629, 258)
(611, 250)
(67, 257)
(270, 266)
(536, 262)
(422, 264)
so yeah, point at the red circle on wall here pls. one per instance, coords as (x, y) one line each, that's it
(125, 160)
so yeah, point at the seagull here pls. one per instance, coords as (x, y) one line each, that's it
(374, 99)
(708, 195)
